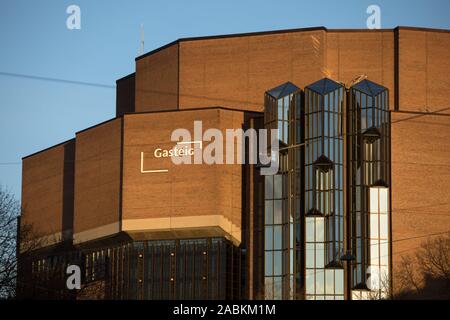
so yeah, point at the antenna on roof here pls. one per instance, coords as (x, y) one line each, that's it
(142, 42)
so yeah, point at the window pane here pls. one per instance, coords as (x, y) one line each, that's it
(320, 228)
(286, 107)
(320, 282)
(309, 282)
(269, 212)
(310, 229)
(374, 252)
(277, 244)
(269, 238)
(383, 200)
(280, 109)
(329, 281)
(278, 186)
(268, 263)
(384, 253)
(374, 200)
(291, 261)
(374, 226)
(384, 227)
(278, 213)
(309, 255)
(277, 286)
(277, 263)
(333, 133)
(339, 282)
(268, 284)
(269, 187)
(285, 132)
(280, 130)
(320, 255)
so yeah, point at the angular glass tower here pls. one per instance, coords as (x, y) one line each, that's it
(324, 194)
(369, 179)
(281, 199)
(327, 209)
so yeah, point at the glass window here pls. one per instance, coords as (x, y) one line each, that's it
(277, 244)
(269, 187)
(374, 200)
(291, 261)
(291, 287)
(315, 124)
(383, 200)
(329, 281)
(370, 117)
(384, 227)
(384, 253)
(268, 284)
(278, 212)
(309, 261)
(339, 281)
(320, 229)
(278, 186)
(280, 109)
(269, 211)
(320, 281)
(277, 286)
(309, 282)
(277, 263)
(269, 263)
(374, 226)
(311, 126)
(310, 229)
(269, 238)
(286, 107)
(298, 233)
(374, 255)
(286, 132)
(320, 255)
(280, 130)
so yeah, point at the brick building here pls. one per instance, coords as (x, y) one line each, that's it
(142, 227)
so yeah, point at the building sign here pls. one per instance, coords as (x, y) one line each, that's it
(181, 149)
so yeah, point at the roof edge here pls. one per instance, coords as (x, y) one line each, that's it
(280, 31)
(126, 77)
(193, 109)
(157, 50)
(48, 148)
(132, 113)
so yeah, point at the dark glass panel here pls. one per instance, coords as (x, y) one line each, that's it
(277, 263)
(269, 211)
(269, 238)
(278, 212)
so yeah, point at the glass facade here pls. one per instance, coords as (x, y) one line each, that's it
(334, 147)
(207, 268)
(324, 195)
(368, 165)
(320, 227)
(282, 265)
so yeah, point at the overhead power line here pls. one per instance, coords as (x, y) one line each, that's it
(81, 83)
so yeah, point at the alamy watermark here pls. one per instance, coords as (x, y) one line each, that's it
(73, 21)
(235, 146)
(374, 19)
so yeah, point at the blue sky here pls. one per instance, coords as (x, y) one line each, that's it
(34, 41)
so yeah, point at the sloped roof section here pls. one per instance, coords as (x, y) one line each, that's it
(324, 86)
(368, 87)
(283, 90)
